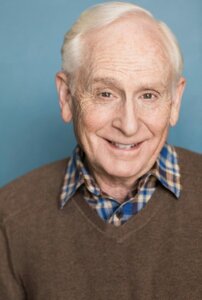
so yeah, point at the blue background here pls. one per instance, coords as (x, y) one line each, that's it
(31, 33)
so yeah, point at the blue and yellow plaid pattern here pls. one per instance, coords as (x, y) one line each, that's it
(165, 171)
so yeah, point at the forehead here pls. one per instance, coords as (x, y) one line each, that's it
(129, 47)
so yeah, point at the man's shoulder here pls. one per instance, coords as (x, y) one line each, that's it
(190, 168)
(32, 190)
(190, 161)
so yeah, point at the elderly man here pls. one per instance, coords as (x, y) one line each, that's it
(128, 225)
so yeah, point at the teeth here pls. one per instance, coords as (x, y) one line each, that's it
(123, 146)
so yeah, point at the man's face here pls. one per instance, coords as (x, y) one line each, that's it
(123, 106)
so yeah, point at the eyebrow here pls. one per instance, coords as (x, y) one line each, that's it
(116, 83)
(107, 80)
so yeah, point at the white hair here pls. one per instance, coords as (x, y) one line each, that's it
(103, 14)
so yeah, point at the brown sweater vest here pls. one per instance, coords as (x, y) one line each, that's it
(71, 254)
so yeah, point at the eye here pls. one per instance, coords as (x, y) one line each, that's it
(105, 94)
(148, 96)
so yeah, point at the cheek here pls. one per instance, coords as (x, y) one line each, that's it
(97, 116)
(157, 120)
(91, 120)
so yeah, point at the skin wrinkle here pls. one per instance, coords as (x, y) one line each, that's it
(126, 70)
(111, 83)
(124, 67)
(84, 98)
(146, 25)
(84, 95)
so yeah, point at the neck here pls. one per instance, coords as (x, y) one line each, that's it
(118, 189)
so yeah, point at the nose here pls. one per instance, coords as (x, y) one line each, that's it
(126, 119)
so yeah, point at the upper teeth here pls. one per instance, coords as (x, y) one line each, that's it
(123, 146)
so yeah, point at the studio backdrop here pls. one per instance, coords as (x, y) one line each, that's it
(31, 130)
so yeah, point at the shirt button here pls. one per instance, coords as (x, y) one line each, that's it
(119, 214)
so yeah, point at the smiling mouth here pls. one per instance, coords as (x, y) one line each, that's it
(124, 146)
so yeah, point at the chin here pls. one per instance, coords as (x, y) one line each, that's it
(123, 169)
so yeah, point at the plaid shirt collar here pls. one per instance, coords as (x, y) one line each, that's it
(166, 170)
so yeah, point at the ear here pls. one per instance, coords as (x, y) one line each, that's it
(62, 84)
(176, 101)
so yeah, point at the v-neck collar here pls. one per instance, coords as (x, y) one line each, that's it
(134, 224)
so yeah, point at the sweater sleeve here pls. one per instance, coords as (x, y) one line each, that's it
(10, 289)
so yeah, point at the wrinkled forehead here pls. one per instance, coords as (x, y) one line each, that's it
(131, 44)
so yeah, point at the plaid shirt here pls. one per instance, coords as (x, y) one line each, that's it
(165, 170)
